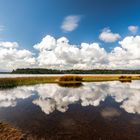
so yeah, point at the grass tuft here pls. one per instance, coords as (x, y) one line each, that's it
(71, 78)
(125, 79)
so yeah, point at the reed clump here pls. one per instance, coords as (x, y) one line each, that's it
(71, 78)
(125, 78)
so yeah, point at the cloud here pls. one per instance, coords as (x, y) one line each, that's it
(9, 44)
(11, 57)
(133, 29)
(70, 23)
(107, 36)
(127, 55)
(59, 53)
(47, 43)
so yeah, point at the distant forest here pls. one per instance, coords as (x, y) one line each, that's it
(73, 71)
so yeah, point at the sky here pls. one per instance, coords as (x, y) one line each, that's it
(69, 34)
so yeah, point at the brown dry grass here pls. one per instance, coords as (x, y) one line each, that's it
(19, 81)
(8, 132)
(71, 78)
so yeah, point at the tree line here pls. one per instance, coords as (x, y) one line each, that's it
(73, 71)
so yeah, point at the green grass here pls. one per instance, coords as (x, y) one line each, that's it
(68, 79)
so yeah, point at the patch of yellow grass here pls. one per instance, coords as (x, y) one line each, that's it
(13, 82)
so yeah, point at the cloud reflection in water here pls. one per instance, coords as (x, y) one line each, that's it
(52, 97)
(8, 98)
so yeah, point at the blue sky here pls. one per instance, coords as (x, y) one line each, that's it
(29, 21)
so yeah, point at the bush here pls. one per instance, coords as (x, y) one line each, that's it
(125, 79)
(70, 78)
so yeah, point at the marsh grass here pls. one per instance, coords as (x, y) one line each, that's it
(9, 132)
(19, 81)
(124, 79)
(71, 78)
(65, 80)
(8, 83)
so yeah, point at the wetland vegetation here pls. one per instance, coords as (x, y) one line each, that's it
(62, 80)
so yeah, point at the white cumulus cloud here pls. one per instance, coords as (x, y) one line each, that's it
(9, 44)
(70, 23)
(11, 57)
(47, 42)
(127, 55)
(59, 53)
(108, 36)
(133, 29)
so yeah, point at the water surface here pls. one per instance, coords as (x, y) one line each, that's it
(42, 75)
(97, 110)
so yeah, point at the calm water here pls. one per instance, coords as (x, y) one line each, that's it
(99, 110)
(38, 75)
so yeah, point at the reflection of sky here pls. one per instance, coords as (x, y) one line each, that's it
(52, 97)
(8, 98)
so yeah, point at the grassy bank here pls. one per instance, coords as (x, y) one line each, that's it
(19, 81)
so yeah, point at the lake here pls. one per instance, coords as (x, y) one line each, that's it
(43, 75)
(95, 110)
